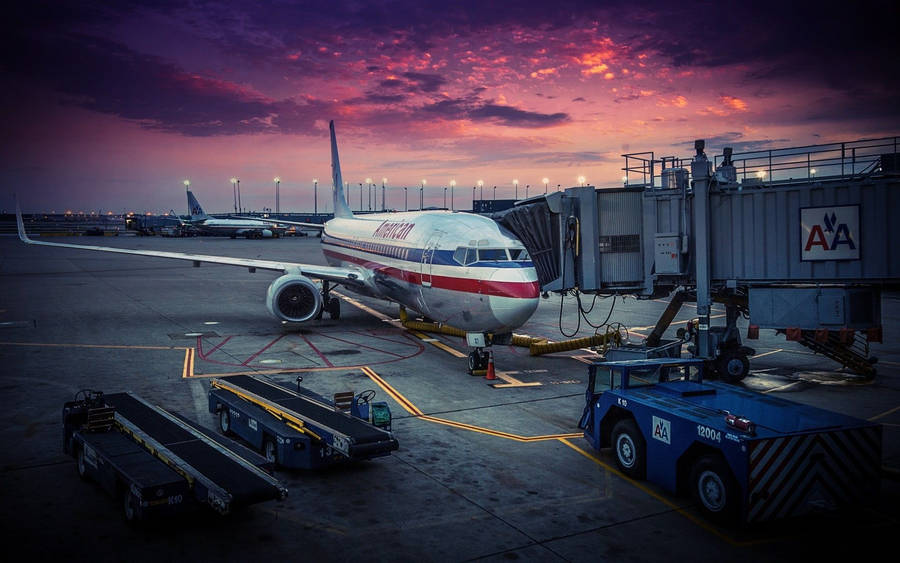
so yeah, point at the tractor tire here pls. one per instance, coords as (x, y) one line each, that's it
(630, 449)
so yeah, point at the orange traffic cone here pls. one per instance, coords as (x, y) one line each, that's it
(490, 370)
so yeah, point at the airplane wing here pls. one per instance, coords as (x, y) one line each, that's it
(317, 226)
(330, 273)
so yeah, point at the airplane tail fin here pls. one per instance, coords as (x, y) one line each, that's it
(341, 209)
(194, 210)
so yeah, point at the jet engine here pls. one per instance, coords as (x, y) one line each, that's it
(294, 298)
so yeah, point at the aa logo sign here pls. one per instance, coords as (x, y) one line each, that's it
(662, 430)
(829, 233)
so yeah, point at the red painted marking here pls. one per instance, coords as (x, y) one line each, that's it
(214, 348)
(266, 347)
(520, 290)
(316, 350)
(361, 345)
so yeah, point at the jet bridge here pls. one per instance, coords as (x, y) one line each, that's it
(796, 239)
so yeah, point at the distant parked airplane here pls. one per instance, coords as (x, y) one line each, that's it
(459, 269)
(242, 227)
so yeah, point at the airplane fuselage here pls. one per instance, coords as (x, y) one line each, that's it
(235, 227)
(460, 269)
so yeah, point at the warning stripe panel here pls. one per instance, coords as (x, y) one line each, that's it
(796, 474)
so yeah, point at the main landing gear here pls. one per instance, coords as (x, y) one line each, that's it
(330, 305)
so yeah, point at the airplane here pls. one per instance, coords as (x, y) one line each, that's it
(458, 269)
(245, 227)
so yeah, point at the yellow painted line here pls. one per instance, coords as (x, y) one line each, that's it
(512, 381)
(274, 371)
(187, 369)
(660, 498)
(885, 413)
(767, 353)
(412, 409)
(110, 346)
(367, 309)
(379, 315)
(438, 344)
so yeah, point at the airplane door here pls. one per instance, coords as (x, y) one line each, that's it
(428, 258)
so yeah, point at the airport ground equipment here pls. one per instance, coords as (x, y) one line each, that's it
(800, 240)
(743, 456)
(297, 428)
(157, 462)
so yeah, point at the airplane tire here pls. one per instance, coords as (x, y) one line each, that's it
(334, 308)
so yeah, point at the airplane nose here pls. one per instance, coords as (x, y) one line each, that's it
(518, 303)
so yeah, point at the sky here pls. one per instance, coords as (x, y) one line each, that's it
(112, 105)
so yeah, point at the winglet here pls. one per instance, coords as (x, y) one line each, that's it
(341, 209)
(21, 224)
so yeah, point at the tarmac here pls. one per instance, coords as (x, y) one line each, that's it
(486, 470)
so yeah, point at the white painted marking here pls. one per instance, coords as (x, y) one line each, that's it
(783, 387)
(211, 322)
(193, 334)
(201, 402)
(270, 361)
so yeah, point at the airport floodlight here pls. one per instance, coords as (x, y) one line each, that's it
(546, 183)
(187, 183)
(625, 180)
(452, 183)
(516, 184)
(761, 174)
(384, 180)
(368, 180)
(812, 171)
(277, 179)
(234, 180)
(581, 180)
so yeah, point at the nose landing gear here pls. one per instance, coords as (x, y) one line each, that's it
(478, 360)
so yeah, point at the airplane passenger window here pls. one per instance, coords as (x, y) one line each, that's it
(492, 254)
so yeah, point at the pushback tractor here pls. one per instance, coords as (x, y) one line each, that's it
(743, 456)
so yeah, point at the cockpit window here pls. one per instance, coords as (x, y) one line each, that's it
(492, 254)
(471, 256)
(460, 255)
(519, 254)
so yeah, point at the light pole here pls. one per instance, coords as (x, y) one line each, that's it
(526, 190)
(495, 193)
(234, 192)
(581, 180)
(369, 191)
(516, 184)
(422, 196)
(546, 182)
(445, 197)
(405, 199)
(383, 182)
(481, 189)
(277, 195)
(240, 206)
(315, 196)
(558, 186)
(360, 197)
(473, 199)
(452, 185)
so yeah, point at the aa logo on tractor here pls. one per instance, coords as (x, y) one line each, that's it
(662, 430)
(829, 233)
